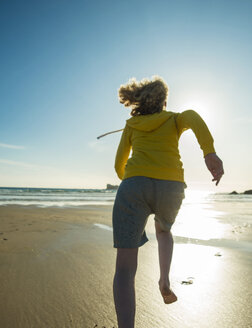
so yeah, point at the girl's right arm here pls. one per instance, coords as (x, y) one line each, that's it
(189, 119)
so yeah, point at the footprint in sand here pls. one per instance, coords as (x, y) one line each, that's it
(188, 281)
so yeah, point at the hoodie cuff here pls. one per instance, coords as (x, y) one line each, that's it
(207, 149)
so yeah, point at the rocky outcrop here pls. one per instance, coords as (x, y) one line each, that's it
(111, 187)
(247, 192)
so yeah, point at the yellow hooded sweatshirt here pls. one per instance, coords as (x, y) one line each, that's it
(154, 141)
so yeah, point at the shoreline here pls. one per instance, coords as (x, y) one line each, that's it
(31, 219)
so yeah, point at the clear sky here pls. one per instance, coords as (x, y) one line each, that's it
(62, 63)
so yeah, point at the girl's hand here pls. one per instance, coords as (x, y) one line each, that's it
(215, 166)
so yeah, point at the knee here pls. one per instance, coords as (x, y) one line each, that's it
(126, 269)
(164, 233)
(126, 262)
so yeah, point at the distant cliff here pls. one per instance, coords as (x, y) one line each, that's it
(111, 187)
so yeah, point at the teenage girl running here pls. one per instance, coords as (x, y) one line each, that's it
(152, 183)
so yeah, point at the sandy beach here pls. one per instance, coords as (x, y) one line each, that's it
(57, 266)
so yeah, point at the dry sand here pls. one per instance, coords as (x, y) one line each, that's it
(56, 270)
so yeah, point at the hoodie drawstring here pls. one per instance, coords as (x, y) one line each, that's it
(103, 135)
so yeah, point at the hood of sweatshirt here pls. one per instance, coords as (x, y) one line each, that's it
(149, 122)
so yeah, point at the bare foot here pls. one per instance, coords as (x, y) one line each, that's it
(167, 294)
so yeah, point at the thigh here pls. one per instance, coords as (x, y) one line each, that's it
(168, 199)
(130, 214)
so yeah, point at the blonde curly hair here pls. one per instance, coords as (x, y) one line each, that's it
(144, 97)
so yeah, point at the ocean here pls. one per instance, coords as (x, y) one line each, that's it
(45, 197)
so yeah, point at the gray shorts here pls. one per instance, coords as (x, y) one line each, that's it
(137, 198)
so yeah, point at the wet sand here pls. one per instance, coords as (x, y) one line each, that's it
(57, 266)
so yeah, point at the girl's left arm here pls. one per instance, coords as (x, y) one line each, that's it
(123, 152)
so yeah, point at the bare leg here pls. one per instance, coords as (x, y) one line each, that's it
(124, 286)
(165, 249)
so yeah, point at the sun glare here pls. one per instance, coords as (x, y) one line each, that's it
(202, 106)
(197, 218)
